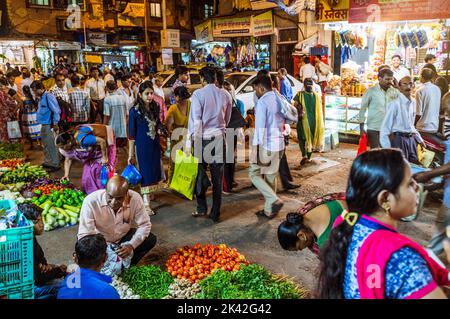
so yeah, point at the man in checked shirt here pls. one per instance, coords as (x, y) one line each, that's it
(80, 102)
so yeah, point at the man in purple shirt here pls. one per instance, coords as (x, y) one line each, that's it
(208, 119)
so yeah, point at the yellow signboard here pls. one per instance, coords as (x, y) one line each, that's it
(263, 24)
(134, 10)
(332, 10)
(232, 27)
(203, 31)
(92, 58)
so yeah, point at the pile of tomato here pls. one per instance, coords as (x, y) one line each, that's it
(47, 189)
(11, 163)
(196, 262)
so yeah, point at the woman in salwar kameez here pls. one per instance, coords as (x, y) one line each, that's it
(310, 127)
(144, 124)
(94, 146)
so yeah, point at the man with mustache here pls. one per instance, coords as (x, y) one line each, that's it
(398, 129)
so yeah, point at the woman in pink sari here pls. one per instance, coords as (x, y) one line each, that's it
(93, 145)
(365, 256)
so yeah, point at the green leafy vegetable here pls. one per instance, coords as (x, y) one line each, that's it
(149, 282)
(250, 282)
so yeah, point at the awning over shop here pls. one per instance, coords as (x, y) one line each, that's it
(303, 46)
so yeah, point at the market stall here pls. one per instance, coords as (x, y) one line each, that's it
(362, 48)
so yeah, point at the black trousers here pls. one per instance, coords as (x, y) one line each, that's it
(230, 168)
(373, 138)
(97, 111)
(211, 156)
(285, 172)
(143, 248)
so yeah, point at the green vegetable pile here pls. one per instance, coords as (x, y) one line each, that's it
(61, 208)
(250, 282)
(11, 150)
(23, 173)
(149, 282)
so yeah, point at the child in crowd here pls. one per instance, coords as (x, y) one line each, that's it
(87, 282)
(45, 275)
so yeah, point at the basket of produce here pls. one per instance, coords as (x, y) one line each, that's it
(12, 163)
(61, 208)
(16, 253)
(11, 151)
(60, 200)
(23, 173)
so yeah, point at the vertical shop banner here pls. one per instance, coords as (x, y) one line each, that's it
(362, 11)
(332, 10)
(232, 27)
(263, 24)
(167, 56)
(170, 38)
(203, 32)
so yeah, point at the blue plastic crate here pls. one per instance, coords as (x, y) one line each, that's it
(16, 258)
(25, 291)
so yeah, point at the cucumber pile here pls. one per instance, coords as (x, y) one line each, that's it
(61, 208)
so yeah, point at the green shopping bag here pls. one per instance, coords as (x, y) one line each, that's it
(185, 174)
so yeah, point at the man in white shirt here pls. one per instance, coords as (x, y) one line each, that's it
(399, 71)
(307, 71)
(428, 99)
(398, 129)
(268, 146)
(107, 76)
(115, 113)
(11, 78)
(127, 91)
(26, 79)
(158, 86)
(96, 87)
(208, 119)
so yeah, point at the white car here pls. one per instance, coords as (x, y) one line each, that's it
(243, 85)
(169, 78)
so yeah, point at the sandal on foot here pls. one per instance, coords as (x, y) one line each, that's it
(197, 214)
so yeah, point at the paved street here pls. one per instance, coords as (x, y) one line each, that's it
(253, 236)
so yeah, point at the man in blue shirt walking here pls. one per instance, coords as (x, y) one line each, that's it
(285, 85)
(87, 282)
(48, 115)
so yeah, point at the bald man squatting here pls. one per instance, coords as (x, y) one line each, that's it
(119, 215)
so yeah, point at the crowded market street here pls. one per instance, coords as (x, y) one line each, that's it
(206, 151)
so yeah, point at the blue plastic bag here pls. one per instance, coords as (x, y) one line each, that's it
(104, 172)
(132, 175)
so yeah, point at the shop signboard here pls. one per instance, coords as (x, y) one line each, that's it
(65, 46)
(332, 10)
(363, 11)
(170, 38)
(93, 58)
(203, 32)
(232, 27)
(132, 16)
(96, 38)
(263, 24)
(167, 56)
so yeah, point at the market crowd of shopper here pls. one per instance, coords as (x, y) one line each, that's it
(92, 119)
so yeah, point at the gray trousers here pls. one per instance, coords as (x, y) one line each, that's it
(373, 139)
(51, 155)
(436, 243)
(265, 177)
